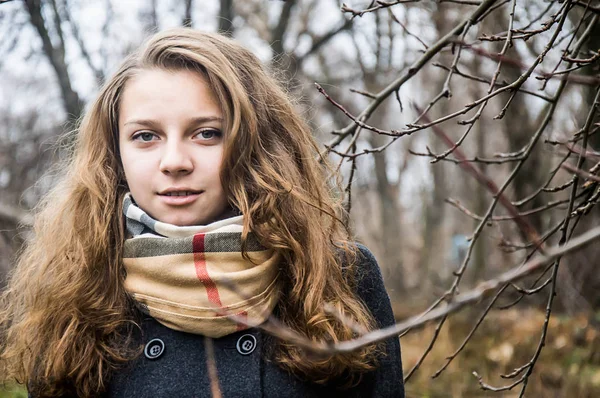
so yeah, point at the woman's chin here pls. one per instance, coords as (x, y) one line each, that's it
(181, 221)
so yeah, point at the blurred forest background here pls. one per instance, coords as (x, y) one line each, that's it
(466, 132)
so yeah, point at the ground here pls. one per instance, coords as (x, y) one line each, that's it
(569, 365)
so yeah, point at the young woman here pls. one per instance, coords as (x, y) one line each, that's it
(193, 212)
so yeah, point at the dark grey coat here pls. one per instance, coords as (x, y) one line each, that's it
(179, 368)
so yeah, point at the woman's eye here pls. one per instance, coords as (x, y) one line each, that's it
(145, 137)
(208, 134)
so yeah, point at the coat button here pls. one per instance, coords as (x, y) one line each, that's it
(154, 349)
(246, 344)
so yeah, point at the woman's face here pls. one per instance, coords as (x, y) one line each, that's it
(171, 146)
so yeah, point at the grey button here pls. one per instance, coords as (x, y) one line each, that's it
(154, 348)
(246, 344)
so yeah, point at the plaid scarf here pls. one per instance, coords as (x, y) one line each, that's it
(193, 278)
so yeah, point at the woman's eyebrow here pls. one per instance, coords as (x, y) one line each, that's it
(194, 120)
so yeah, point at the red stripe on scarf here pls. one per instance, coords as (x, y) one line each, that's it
(244, 316)
(202, 272)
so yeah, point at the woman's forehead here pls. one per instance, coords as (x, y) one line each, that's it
(163, 94)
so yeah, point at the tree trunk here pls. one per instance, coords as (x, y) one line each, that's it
(226, 17)
(56, 55)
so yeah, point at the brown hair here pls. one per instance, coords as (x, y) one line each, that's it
(66, 320)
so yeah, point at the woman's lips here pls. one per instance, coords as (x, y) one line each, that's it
(179, 200)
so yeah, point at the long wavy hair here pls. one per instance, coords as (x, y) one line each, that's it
(66, 321)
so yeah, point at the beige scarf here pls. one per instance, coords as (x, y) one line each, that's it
(194, 278)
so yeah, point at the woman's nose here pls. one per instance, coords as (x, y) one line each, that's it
(175, 159)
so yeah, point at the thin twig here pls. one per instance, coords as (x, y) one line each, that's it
(211, 364)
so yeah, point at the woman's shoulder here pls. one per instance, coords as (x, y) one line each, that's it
(387, 380)
(369, 285)
(366, 264)
(367, 280)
